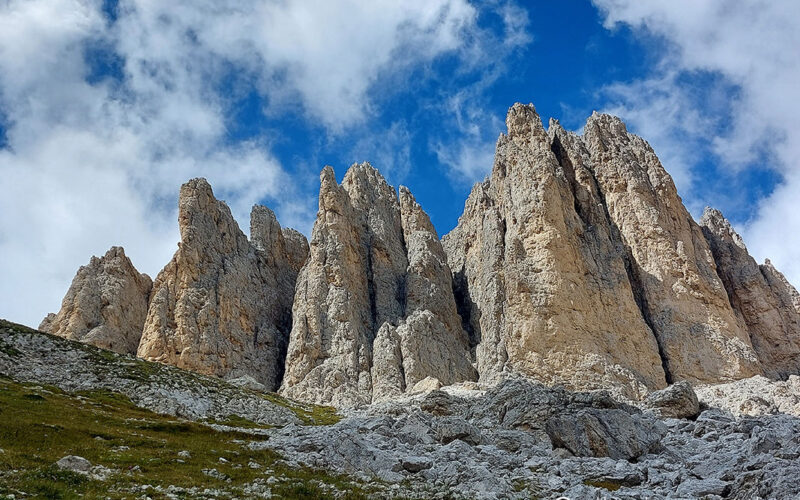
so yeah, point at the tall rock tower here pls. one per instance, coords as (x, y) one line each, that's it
(374, 311)
(222, 306)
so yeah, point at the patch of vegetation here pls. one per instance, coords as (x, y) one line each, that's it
(4, 324)
(307, 413)
(606, 484)
(39, 426)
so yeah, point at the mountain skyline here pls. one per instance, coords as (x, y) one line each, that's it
(109, 106)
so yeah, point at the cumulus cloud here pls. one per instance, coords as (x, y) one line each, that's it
(728, 77)
(94, 158)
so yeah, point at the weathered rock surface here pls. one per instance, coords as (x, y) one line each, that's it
(577, 263)
(74, 463)
(540, 273)
(495, 444)
(676, 401)
(222, 306)
(106, 304)
(374, 311)
(673, 270)
(766, 302)
(754, 396)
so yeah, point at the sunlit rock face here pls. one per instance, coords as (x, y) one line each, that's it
(576, 262)
(105, 306)
(374, 311)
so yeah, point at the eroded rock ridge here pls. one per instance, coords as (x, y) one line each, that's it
(222, 306)
(106, 304)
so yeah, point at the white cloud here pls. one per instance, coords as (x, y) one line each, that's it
(87, 165)
(752, 46)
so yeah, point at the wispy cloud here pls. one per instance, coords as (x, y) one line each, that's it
(468, 142)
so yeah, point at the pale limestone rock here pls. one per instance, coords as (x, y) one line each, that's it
(676, 401)
(105, 306)
(760, 294)
(374, 311)
(754, 396)
(672, 267)
(540, 275)
(222, 306)
(428, 384)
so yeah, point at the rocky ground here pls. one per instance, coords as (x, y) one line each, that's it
(518, 439)
(523, 440)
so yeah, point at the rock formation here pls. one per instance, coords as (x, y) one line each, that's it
(574, 263)
(106, 305)
(541, 274)
(222, 306)
(766, 302)
(671, 264)
(374, 311)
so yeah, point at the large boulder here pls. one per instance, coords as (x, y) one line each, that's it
(676, 401)
(609, 433)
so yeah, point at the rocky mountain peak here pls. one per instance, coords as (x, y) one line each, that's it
(222, 305)
(105, 306)
(575, 263)
(714, 221)
(524, 124)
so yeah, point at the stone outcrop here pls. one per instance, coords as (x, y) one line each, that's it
(766, 302)
(577, 263)
(540, 273)
(222, 306)
(374, 311)
(106, 304)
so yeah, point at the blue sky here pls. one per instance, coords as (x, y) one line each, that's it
(106, 107)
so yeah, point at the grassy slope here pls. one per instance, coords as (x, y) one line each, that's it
(39, 425)
(145, 371)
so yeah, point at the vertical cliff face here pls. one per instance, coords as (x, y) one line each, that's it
(222, 305)
(105, 306)
(375, 283)
(760, 295)
(540, 275)
(672, 265)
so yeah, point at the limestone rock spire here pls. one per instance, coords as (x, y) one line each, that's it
(374, 303)
(221, 306)
(759, 294)
(540, 273)
(671, 264)
(105, 306)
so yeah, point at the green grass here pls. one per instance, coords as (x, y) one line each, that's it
(39, 425)
(145, 371)
(308, 414)
(606, 484)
